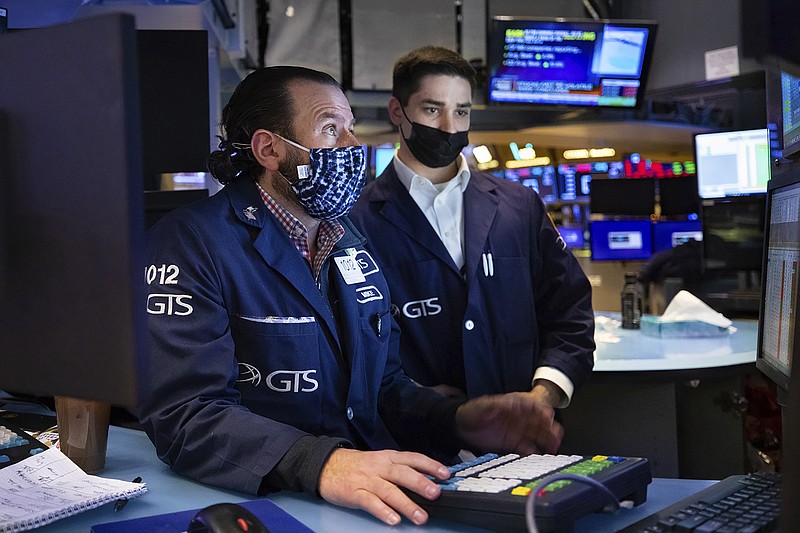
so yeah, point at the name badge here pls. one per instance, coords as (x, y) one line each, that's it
(349, 269)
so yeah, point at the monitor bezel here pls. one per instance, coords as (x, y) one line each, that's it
(651, 25)
(697, 165)
(733, 200)
(794, 150)
(592, 247)
(763, 364)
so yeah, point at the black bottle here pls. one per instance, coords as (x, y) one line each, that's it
(631, 299)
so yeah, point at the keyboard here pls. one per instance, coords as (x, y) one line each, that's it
(742, 504)
(16, 444)
(491, 491)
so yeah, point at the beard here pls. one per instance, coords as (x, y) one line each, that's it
(286, 175)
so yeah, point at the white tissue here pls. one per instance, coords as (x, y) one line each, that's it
(685, 306)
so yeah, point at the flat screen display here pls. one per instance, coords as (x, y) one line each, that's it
(572, 235)
(541, 179)
(620, 240)
(733, 233)
(574, 182)
(732, 163)
(595, 63)
(383, 155)
(671, 233)
(678, 196)
(779, 300)
(635, 197)
(790, 106)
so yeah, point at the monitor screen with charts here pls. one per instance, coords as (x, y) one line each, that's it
(732, 163)
(790, 111)
(621, 240)
(777, 327)
(595, 63)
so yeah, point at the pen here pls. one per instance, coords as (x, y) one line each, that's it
(119, 504)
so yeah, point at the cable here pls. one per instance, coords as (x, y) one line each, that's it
(530, 504)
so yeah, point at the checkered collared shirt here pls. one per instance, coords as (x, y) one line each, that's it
(330, 231)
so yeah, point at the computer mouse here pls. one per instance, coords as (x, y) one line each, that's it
(226, 518)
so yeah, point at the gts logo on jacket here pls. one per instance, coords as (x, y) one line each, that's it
(279, 380)
(420, 308)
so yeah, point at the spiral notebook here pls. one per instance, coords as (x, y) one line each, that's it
(47, 487)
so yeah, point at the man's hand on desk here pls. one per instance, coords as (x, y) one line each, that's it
(517, 422)
(371, 481)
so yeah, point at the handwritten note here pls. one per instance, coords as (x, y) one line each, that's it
(48, 486)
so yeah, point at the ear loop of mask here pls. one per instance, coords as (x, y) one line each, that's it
(303, 171)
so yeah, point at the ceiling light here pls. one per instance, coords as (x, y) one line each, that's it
(482, 154)
(494, 163)
(535, 162)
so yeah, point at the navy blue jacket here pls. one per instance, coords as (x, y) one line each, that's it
(247, 355)
(481, 333)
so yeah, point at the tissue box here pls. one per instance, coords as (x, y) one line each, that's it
(654, 327)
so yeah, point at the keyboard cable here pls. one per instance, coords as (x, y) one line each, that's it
(530, 504)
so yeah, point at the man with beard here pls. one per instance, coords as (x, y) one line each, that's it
(273, 354)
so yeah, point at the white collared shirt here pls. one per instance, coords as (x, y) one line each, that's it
(441, 203)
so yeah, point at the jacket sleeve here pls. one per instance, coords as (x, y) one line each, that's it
(419, 418)
(563, 299)
(189, 406)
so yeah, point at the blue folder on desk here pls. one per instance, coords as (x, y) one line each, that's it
(276, 519)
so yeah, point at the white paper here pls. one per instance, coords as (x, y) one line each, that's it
(722, 63)
(48, 486)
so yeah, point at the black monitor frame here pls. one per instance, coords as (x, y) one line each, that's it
(763, 363)
(72, 319)
(735, 204)
(492, 30)
(699, 173)
(623, 196)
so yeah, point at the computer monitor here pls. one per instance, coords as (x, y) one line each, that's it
(595, 63)
(574, 182)
(777, 331)
(382, 156)
(635, 166)
(790, 107)
(541, 179)
(733, 233)
(72, 313)
(634, 197)
(732, 163)
(678, 196)
(620, 240)
(572, 235)
(668, 234)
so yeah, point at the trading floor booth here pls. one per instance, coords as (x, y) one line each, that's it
(71, 234)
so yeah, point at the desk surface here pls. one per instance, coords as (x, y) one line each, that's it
(131, 454)
(629, 350)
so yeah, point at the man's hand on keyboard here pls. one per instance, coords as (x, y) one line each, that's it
(370, 480)
(514, 422)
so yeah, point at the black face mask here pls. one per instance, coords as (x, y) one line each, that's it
(433, 147)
